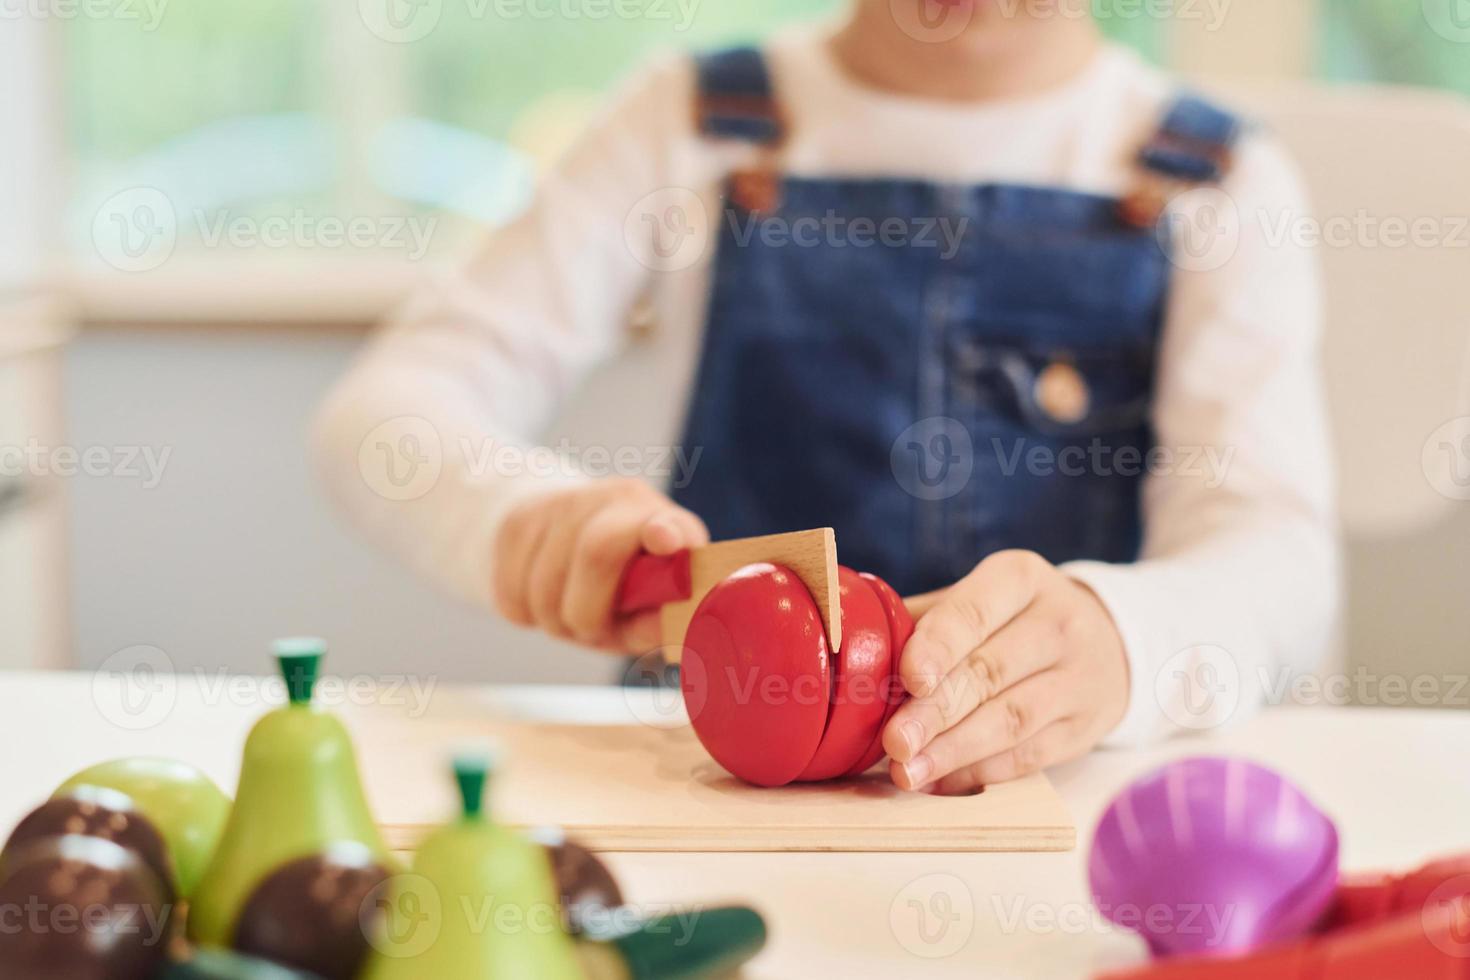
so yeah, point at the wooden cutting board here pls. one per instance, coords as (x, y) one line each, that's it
(645, 788)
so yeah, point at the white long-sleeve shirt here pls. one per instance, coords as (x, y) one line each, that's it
(1238, 577)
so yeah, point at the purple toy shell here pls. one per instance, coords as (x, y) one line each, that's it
(1212, 855)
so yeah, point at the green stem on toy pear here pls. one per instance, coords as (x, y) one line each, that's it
(471, 773)
(300, 659)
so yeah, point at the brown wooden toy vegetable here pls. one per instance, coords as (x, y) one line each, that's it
(88, 909)
(585, 886)
(92, 811)
(308, 914)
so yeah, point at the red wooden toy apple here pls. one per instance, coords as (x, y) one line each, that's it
(767, 696)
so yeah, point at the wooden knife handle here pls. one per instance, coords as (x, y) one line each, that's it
(650, 581)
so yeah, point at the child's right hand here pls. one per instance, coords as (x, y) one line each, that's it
(559, 559)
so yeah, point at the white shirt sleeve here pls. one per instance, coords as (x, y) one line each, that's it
(478, 362)
(1238, 580)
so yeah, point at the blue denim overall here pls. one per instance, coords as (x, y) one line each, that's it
(932, 399)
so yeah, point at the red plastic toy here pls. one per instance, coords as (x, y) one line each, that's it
(1380, 927)
(766, 696)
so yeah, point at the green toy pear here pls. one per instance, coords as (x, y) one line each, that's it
(299, 793)
(481, 902)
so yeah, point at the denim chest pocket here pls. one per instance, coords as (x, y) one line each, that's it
(1056, 392)
(1060, 438)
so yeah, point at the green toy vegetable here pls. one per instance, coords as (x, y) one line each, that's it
(299, 793)
(182, 803)
(481, 902)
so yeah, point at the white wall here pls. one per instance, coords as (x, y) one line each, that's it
(236, 544)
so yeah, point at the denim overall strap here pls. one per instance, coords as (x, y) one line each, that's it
(1193, 143)
(1193, 146)
(735, 97)
(736, 101)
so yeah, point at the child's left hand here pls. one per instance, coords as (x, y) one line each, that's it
(1014, 668)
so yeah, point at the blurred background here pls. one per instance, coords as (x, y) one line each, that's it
(204, 207)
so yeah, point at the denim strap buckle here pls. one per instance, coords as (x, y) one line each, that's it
(1192, 147)
(751, 118)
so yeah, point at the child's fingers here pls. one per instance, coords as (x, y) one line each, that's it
(515, 548)
(551, 566)
(918, 605)
(995, 727)
(673, 529)
(608, 541)
(1054, 744)
(1025, 646)
(998, 589)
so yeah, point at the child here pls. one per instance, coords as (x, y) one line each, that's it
(913, 283)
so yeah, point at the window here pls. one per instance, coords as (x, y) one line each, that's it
(1414, 42)
(273, 128)
(264, 126)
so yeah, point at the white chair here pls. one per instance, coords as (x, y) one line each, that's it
(1397, 354)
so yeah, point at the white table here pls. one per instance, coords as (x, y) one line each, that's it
(1396, 780)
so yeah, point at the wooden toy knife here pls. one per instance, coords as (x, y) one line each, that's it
(679, 581)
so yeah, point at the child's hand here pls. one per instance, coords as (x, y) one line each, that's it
(559, 559)
(1014, 668)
